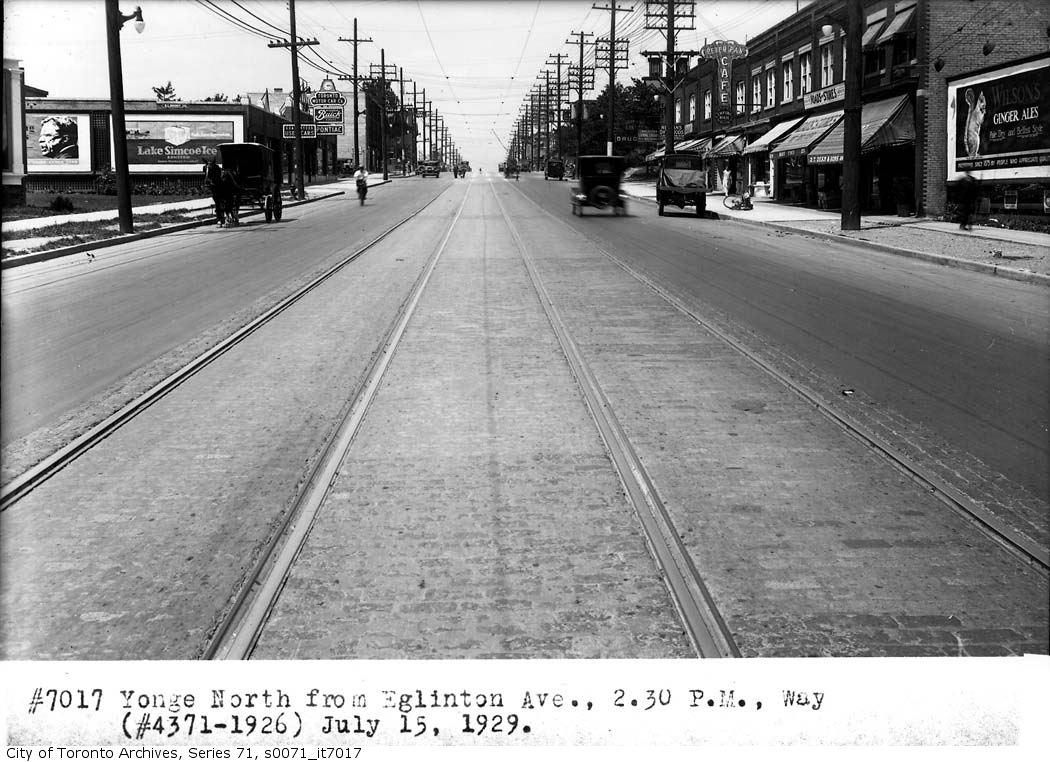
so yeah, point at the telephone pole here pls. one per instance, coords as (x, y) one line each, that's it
(295, 44)
(616, 61)
(558, 100)
(663, 20)
(355, 42)
(581, 82)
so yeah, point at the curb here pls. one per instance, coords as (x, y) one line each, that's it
(1010, 273)
(43, 256)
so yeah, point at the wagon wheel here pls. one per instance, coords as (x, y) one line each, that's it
(277, 205)
(268, 209)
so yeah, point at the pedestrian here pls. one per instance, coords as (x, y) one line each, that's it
(361, 181)
(726, 179)
(968, 187)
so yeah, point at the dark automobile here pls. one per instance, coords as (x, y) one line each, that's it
(257, 177)
(555, 170)
(429, 168)
(599, 184)
(683, 182)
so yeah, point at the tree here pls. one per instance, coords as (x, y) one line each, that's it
(218, 98)
(165, 92)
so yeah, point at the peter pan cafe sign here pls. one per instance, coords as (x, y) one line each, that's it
(722, 52)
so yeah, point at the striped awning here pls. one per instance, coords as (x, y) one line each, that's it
(807, 134)
(772, 137)
(730, 145)
(899, 25)
(882, 124)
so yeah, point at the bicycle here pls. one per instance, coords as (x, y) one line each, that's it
(738, 201)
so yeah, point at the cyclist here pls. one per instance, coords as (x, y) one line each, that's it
(361, 180)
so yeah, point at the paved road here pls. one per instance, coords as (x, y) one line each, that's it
(477, 462)
(961, 359)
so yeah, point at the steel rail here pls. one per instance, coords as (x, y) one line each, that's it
(1012, 540)
(29, 480)
(704, 624)
(240, 630)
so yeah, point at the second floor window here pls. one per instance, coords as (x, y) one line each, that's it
(692, 107)
(756, 93)
(786, 70)
(771, 88)
(678, 108)
(740, 105)
(826, 70)
(707, 104)
(805, 76)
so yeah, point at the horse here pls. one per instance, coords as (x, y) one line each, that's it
(225, 192)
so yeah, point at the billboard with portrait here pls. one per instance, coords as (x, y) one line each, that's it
(167, 143)
(999, 123)
(58, 142)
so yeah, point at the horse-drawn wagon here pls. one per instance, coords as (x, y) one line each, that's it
(252, 177)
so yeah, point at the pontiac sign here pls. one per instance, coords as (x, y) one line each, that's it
(723, 52)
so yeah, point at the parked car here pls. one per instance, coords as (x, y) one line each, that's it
(599, 184)
(682, 181)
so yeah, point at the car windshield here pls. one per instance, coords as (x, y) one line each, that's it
(602, 168)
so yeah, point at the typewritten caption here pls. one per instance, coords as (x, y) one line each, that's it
(333, 710)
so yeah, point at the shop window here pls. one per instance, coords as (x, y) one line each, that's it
(740, 105)
(826, 70)
(786, 70)
(771, 87)
(805, 76)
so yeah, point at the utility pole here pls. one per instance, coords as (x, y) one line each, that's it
(581, 83)
(295, 44)
(665, 21)
(355, 42)
(423, 132)
(546, 115)
(615, 62)
(381, 101)
(401, 127)
(851, 120)
(558, 100)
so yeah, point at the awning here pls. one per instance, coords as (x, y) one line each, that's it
(882, 124)
(771, 137)
(806, 135)
(730, 145)
(899, 25)
(871, 33)
(686, 146)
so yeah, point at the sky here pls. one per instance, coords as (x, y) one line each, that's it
(477, 60)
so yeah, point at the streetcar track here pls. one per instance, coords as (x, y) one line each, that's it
(1006, 536)
(239, 631)
(25, 483)
(704, 624)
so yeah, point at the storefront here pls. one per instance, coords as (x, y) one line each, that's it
(757, 162)
(887, 145)
(796, 181)
(724, 156)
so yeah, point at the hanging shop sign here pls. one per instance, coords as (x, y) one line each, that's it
(998, 122)
(722, 52)
(826, 95)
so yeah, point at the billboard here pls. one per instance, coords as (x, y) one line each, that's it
(999, 123)
(58, 142)
(178, 144)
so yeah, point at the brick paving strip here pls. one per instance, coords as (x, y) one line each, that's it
(477, 515)
(135, 549)
(810, 543)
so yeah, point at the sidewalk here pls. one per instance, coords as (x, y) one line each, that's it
(1016, 254)
(200, 209)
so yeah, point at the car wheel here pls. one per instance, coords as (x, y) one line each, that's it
(660, 210)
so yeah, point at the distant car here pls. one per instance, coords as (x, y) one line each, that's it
(429, 169)
(555, 170)
(683, 182)
(599, 178)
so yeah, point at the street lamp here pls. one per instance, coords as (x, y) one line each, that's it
(851, 120)
(115, 20)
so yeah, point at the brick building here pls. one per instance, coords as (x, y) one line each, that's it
(773, 118)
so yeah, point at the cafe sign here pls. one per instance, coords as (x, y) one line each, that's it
(722, 52)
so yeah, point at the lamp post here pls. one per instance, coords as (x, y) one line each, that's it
(114, 21)
(851, 120)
